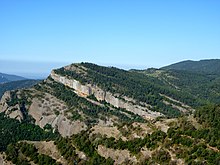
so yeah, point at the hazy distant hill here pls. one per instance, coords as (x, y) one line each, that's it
(211, 66)
(7, 78)
(16, 85)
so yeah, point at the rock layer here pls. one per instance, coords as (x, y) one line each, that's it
(102, 95)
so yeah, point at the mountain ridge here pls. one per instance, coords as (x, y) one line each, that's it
(104, 115)
(91, 85)
(13, 85)
(9, 77)
(206, 66)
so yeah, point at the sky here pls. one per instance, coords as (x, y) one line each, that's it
(38, 35)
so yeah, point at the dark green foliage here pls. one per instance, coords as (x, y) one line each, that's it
(197, 142)
(193, 88)
(203, 66)
(199, 78)
(11, 131)
(22, 100)
(76, 116)
(161, 156)
(48, 127)
(134, 146)
(14, 152)
(200, 153)
(209, 116)
(204, 87)
(83, 143)
(67, 150)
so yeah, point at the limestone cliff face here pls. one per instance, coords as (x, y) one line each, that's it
(101, 95)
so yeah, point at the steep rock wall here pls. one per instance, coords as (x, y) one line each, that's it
(102, 95)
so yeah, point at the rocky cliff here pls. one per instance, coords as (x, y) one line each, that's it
(102, 95)
(45, 106)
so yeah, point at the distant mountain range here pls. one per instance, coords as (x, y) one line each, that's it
(13, 85)
(7, 78)
(12, 82)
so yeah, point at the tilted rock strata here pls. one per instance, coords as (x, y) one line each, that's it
(101, 95)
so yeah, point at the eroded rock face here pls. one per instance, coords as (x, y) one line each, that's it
(46, 110)
(3, 102)
(10, 111)
(101, 95)
(46, 114)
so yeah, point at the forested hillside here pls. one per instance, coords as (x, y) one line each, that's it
(205, 88)
(203, 66)
(13, 131)
(149, 90)
(89, 114)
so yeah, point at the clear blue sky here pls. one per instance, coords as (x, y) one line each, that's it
(126, 33)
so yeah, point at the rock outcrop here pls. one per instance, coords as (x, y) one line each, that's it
(43, 111)
(102, 95)
(10, 111)
(46, 115)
